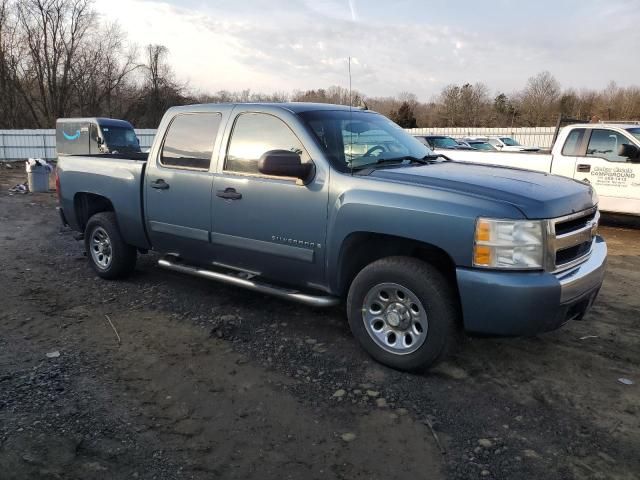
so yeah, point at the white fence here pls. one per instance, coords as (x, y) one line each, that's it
(23, 144)
(530, 136)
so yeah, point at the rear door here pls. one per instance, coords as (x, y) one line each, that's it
(273, 226)
(615, 179)
(178, 186)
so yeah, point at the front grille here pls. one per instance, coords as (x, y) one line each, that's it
(569, 254)
(569, 239)
(568, 226)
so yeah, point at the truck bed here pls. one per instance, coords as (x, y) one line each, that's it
(117, 178)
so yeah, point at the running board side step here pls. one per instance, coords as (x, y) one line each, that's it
(250, 284)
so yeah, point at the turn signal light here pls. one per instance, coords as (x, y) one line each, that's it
(482, 255)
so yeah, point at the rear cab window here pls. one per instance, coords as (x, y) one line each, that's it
(189, 141)
(573, 143)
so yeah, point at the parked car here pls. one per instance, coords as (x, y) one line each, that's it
(605, 156)
(508, 144)
(90, 136)
(441, 141)
(273, 198)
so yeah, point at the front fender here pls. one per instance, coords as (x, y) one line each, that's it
(436, 217)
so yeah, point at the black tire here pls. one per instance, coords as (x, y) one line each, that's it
(430, 287)
(122, 260)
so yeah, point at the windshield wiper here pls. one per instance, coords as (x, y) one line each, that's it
(434, 157)
(426, 160)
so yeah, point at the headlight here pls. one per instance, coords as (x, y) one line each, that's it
(513, 244)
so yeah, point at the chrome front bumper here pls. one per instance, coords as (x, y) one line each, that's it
(585, 277)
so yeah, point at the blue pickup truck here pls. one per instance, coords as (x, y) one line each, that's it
(324, 204)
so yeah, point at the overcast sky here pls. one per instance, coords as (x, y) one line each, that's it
(397, 45)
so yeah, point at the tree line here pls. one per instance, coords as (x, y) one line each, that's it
(57, 60)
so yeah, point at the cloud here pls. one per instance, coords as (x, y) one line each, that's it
(281, 45)
(352, 7)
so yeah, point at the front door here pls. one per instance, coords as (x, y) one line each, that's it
(271, 226)
(615, 179)
(178, 187)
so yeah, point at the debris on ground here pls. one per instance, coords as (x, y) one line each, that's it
(339, 393)
(485, 442)
(54, 354)
(20, 188)
(625, 381)
(348, 437)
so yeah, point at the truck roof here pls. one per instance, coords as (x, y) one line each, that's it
(604, 124)
(294, 107)
(102, 121)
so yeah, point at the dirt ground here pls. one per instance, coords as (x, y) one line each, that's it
(209, 381)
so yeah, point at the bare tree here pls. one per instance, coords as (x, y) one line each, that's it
(102, 72)
(539, 100)
(9, 98)
(159, 90)
(449, 105)
(464, 106)
(53, 33)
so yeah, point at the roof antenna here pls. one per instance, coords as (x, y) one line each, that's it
(350, 122)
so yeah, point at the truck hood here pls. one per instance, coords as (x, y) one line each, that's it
(538, 195)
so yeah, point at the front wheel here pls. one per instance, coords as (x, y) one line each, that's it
(403, 312)
(108, 254)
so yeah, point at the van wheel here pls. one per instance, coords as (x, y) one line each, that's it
(108, 254)
(403, 312)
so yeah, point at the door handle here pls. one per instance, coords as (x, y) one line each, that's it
(160, 184)
(229, 194)
(583, 167)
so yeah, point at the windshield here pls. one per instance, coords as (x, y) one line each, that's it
(357, 139)
(510, 142)
(481, 146)
(120, 137)
(444, 142)
(635, 132)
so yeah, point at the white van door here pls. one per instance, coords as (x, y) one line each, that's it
(615, 178)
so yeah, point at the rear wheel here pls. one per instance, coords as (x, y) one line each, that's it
(108, 254)
(403, 312)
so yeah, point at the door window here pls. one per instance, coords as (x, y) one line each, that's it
(572, 144)
(605, 143)
(189, 141)
(257, 133)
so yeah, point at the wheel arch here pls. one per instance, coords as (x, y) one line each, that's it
(359, 249)
(88, 204)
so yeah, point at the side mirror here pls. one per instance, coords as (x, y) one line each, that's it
(629, 151)
(284, 163)
(99, 141)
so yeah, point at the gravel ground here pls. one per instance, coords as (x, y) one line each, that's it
(208, 381)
